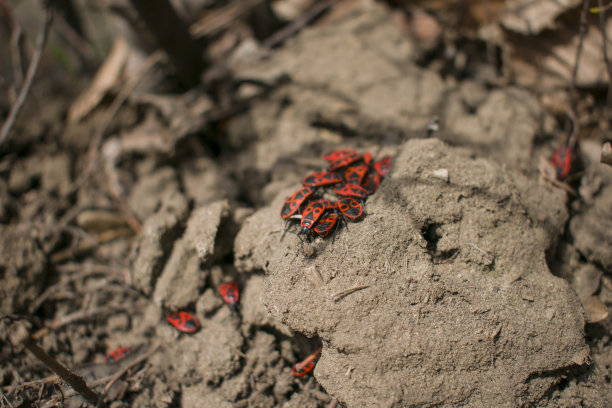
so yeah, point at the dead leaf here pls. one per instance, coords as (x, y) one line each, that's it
(529, 17)
(106, 77)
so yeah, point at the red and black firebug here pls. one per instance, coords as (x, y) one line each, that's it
(230, 293)
(293, 202)
(183, 321)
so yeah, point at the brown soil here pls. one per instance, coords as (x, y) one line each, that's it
(472, 276)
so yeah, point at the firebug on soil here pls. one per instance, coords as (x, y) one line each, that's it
(383, 165)
(311, 214)
(354, 174)
(326, 224)
(230, 293)
(339, 154)
(118, 354)
(307, 365)
(293, 202)
(367, 159)
(344, 161)
(562, 160)
(371, 182)
(351, 190)
(329, 205)
(183, 321)
(350, 208)
(322, 178)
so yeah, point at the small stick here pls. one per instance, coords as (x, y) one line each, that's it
(349, 290)
(602, 28)
(74, 380)
(333, 403)
(29, 79)
(582, 33)
(298, 23)
(6, 399)
(606, 153)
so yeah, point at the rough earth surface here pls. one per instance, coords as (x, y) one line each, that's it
(474, 283)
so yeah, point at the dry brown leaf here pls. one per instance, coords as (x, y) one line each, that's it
(106, 77)
(595, 308)
(547, 61)
(529, 17)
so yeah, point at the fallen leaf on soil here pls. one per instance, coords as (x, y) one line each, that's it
(105, 79)
(532, 17)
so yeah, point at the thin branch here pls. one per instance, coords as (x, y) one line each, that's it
(604, 39)
(125, 369)
(29, 79)
(297, 24)
(76, 381)
(340, 294)
(582, 34)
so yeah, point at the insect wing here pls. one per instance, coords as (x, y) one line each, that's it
(371, 182)
(230, 293)
(351, 190)
(344, 161)
(118, 354)
(383, 165)
(339, 154)
(319, 179)
(354, 174)
(293, 202)
(326, 225)
(300, 371)
(562, 161)
(351, 208)
(311, 214)
(183, 322)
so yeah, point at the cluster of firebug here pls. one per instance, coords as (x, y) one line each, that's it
(351, 176)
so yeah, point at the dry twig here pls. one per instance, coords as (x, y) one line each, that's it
(29, 79)
(298, 23)
(602, 28)
(74, 380)
(341, 294)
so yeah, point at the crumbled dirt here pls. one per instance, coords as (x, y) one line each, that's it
(458, 290)
(475, 283)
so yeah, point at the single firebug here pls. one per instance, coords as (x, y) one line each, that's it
(351, 190)
(183, 321)
(230, 293)
(354, 174)
(322, 178)
(367, 159)
(311, 214)
(344, 161)
(118, 354)
(339, 154)
(326, 224)
(293, 202)
(562, 160)
(371, 182)
(383, 165)
(307, 365)
(350, 208)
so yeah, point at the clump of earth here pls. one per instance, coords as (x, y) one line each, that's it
(466, 283)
